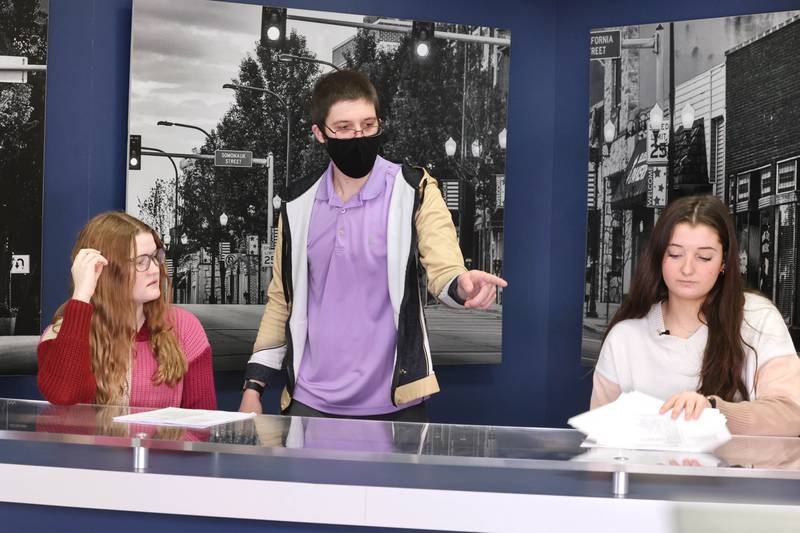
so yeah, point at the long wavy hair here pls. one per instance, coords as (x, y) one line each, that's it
(723, 308)
(114, 320)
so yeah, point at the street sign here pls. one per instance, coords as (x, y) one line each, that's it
(657, 186)
(252, 244)
(605, 44)
(658, 145)
(230, 260)
(450, 192)
(13, 76)
(267, 257)
(233, 158)
(20, 264)
(500, 191)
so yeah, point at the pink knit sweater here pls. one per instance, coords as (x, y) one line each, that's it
(65, 371)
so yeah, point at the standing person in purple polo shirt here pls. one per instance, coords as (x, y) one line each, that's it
(344, 317)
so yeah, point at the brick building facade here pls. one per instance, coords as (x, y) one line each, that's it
(761, 162)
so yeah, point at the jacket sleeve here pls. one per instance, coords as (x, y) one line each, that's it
(776, 411)
(436, 237)
(65, 374)
(270, 345)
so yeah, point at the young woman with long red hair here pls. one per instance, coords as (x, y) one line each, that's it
(690, 334)
(118, 340)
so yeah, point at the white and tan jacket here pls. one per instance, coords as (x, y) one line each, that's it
(420, 238)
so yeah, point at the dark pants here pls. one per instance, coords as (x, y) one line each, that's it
(415, 413)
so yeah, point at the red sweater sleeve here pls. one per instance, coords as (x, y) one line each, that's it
(198, 383)
(65, 374)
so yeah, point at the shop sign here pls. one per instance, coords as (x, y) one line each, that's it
(656, 186)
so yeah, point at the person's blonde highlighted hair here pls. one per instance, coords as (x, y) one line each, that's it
(114, 320)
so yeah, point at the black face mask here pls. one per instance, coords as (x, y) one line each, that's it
(354, 157)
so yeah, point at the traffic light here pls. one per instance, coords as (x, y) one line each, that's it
(273, 27)
(135, 152)
(422, 39)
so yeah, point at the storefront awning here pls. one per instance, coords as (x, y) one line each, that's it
(631, 191)
(689, 170)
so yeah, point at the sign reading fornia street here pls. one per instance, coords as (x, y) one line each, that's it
(233, 158)
(605, 44)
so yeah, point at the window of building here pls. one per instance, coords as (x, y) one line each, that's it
(718, 156)
(766, 182)
(787, 175)
(743, 187)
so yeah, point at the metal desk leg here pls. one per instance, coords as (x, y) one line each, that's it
(140, 453)
(619, 484)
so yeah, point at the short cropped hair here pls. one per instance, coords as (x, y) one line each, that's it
(338, 86)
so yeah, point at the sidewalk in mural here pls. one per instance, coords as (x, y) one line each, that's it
(456, 337)
(592, 333)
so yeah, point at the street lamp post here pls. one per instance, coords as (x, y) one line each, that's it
(501, 141)
(251, 212)
(190, 126)
(174, 250)
(476, 149)
(175, 214)
(271, 203)
(286, 58)
(468, 188)
(223, 221)
(609, 135)
(184, 242)
(237, 86)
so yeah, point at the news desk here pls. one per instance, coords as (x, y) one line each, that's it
(75, 466)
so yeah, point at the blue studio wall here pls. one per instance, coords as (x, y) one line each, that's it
(86, 154)
(540, 382)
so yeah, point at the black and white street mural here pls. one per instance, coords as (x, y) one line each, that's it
(691, 107)
(204, 84)
(23, 46)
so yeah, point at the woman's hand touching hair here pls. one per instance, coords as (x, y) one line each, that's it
(86, 269)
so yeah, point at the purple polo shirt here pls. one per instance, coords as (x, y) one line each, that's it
(348, 358)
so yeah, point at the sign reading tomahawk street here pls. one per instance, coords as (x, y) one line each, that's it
(605, 44)
(233, 158)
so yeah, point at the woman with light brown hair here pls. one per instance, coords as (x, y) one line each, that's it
(689, 333)
(118, 340)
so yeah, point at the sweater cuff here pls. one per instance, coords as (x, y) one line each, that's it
(738, 414)
(77, 321)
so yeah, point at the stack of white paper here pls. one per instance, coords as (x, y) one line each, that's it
(633, 422)
(176, 416)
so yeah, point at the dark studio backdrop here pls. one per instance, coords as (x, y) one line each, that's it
(23, 34)
(541, 381)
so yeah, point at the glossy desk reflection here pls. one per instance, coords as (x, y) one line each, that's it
(413, 460)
